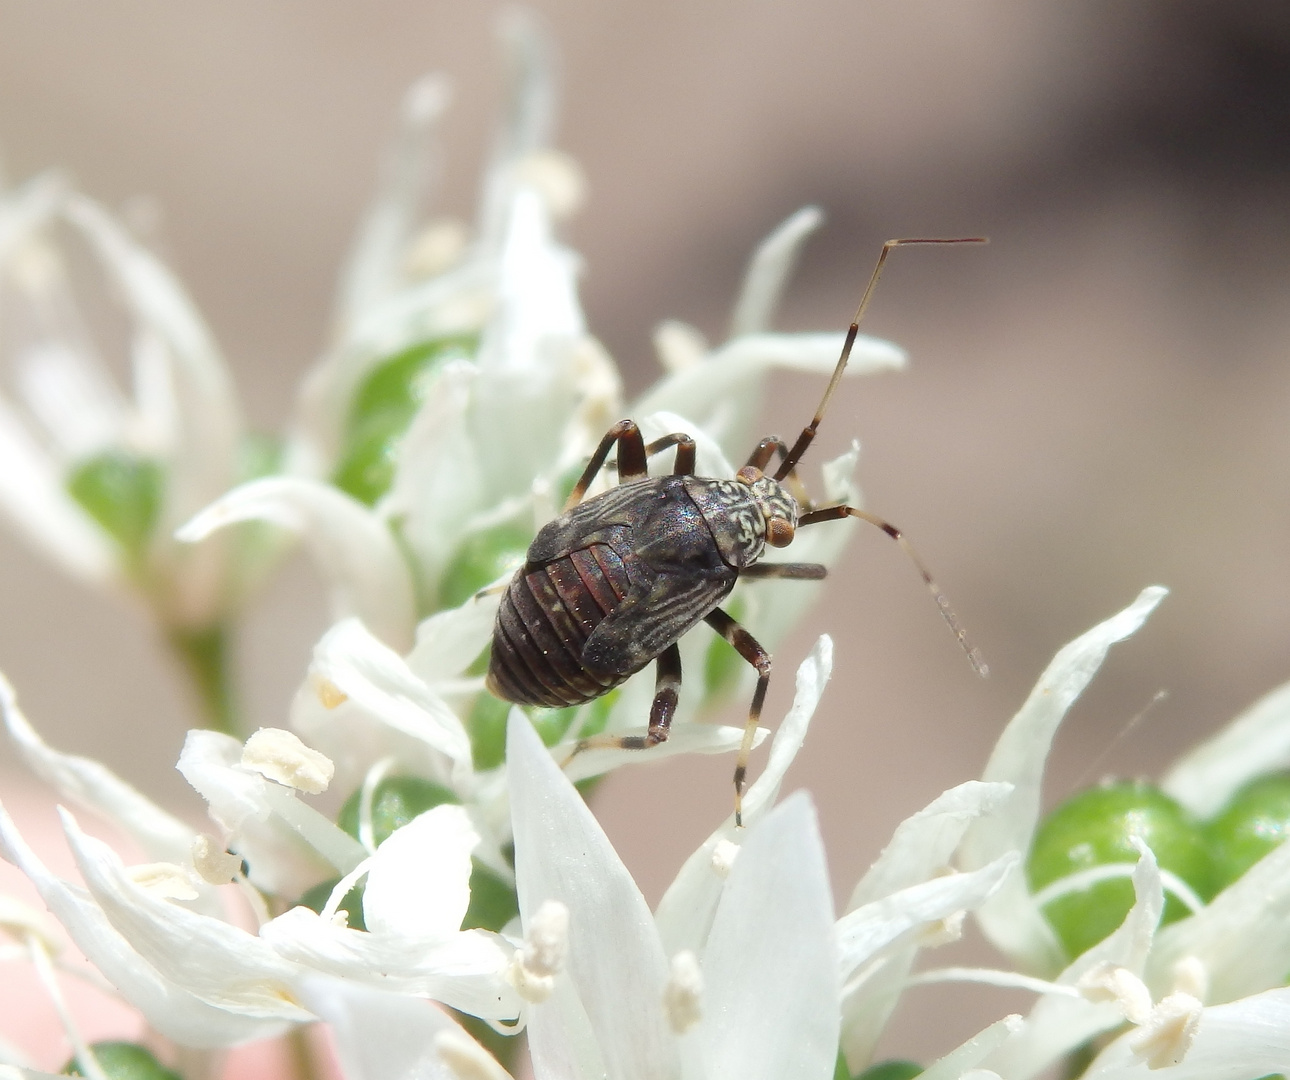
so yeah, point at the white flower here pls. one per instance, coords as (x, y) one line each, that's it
(96, 478)
(502, 424)
(769, 994)
(202, 980)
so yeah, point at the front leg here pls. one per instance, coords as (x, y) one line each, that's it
(747, 647)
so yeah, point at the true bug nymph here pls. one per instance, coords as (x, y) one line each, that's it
(615, 581)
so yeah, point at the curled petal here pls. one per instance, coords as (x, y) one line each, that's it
(215, 960)
(924, 843)
(686, 739)
(34, 498)
(172, 1009)
(722, 393)
(362, 701)
(769, 269)
(357, 554)
(1011, 920)
(466, 971)
(84, 781)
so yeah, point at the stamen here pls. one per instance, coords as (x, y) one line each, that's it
(1167, 1034)
(280, 756)
(683, 996)
(724, 853)
(534, 966)
(214, 864)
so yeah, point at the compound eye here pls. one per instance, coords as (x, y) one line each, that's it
(779, 532)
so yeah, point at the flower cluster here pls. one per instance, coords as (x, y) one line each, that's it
(465, 893)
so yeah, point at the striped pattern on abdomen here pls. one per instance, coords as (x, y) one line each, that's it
(543, 624)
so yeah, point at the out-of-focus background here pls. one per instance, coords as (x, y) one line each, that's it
(1098, 401)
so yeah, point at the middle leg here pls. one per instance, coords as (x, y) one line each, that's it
(667, 691)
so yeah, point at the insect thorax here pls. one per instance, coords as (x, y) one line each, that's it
(737, 512)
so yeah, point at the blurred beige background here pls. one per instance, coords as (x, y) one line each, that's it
(1098, 401)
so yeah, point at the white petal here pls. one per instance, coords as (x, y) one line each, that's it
(684, 739)
(354, 548)
(378, 690)
(971, 1053)
(288, 845)
(466, 971)
(1255, 743)
(616, 961)
(528, 117)
(1011, 920)
(375, 265)
(1057, 1025)
(210, 423)
(685, 913)
(1242, 1040)
(215, 960)
(29, 209)
(866, 930)
(88, 783)
(923, 844)
(538, 290)
(169, 1008)
(33, 496)
(770, 968)
(769, 269)
(450, 641)
(383, 1036)
(418, 883)
(1242, 936)
(72, 396)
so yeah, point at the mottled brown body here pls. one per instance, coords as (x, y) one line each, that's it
(616, 581)
(605, 588)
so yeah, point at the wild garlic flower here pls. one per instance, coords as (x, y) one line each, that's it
(455, 410)
(1216, 973)
(98, 479)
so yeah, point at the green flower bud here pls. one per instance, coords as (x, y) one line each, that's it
(1254, 823)
(1094, 829)
(381, 410)
(123, 493)
(124, 1061)
(481, 559)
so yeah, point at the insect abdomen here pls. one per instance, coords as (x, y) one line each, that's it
(546, 616)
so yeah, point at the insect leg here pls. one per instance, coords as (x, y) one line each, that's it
(836, 513)
(667, 689)
(798, 571)
(746, 645)
(631, 459)
(684, 452)
(760, 458)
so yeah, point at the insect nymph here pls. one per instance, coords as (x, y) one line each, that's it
(615, 581)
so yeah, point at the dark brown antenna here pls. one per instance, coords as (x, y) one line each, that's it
(805, 439)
